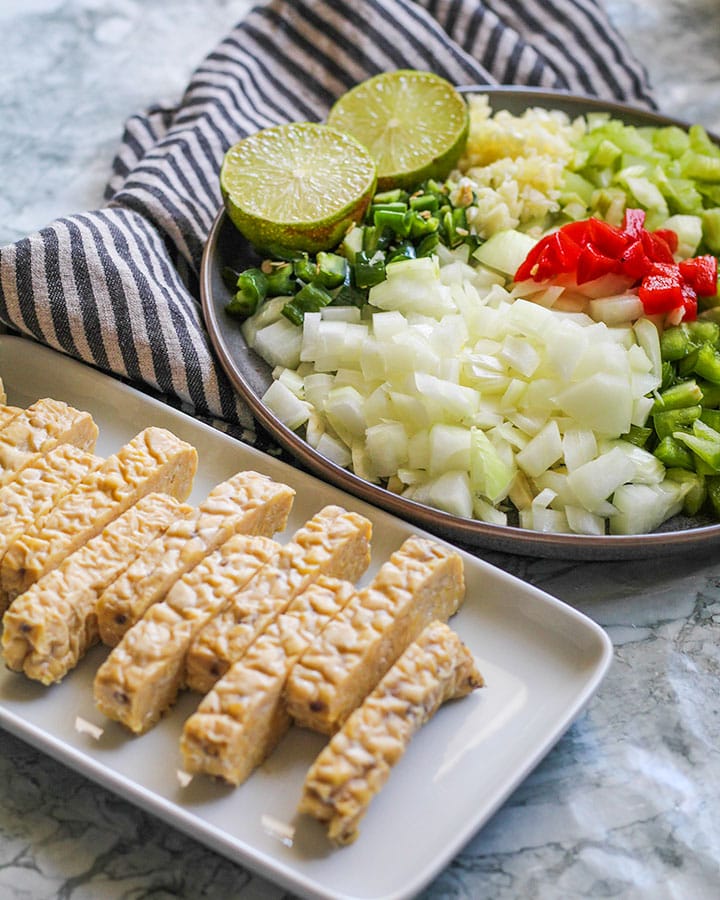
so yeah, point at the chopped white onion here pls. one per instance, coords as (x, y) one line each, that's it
(461, 395)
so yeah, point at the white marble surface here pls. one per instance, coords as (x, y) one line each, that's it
(678, 41)
(626, 805)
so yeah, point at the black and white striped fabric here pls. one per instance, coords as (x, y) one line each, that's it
(117, 287)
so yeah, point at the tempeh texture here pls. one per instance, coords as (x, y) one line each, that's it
(155, 460)
(247, 503)
(333, 542)
(421, 582)
(38, 487)
(141, 677)
(8, 413)
(240, 721)
(357, 761)
(50, 626)
(39, 428)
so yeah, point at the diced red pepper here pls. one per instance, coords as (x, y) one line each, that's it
(670, 238)
(656, 248)
(526, 269)
(559, 254)
(670, 270)
(608, 240)
(701, 273)
(634, 222)
(689, 301)
(579, 231)
(592, 264)
(587, 251)
(569, 249)
(661, 290)
(634, 260)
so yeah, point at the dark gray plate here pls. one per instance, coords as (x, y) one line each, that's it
(251, 376)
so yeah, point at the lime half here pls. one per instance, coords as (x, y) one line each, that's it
(297, 186)
(414, 124)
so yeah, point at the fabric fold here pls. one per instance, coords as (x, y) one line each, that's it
(117, 287)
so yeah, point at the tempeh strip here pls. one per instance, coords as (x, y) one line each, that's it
(155, 460)
(50, 626)
(333, 542)
(240, 721)
(37, 489)
(141, 677)
(39, 428)
(420, 582)
(8, 413)
(356, 763)
(247, 503)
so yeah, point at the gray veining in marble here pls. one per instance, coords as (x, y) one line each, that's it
(626, 805)
(678, 41)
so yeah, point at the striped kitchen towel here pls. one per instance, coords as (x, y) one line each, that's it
(118, 287)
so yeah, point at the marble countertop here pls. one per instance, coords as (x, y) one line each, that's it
(626, 804)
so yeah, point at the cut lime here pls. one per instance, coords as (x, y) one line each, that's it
(414, 124)
(297, 186)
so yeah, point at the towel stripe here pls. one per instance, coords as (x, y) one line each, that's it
(72, 252)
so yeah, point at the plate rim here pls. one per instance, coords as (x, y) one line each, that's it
(469, 532)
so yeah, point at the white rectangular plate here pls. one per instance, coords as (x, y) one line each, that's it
(542, 661)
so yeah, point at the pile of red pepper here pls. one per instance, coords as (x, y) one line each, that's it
(591, 249)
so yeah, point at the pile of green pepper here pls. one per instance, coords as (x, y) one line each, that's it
(397, 225)
(684, 426)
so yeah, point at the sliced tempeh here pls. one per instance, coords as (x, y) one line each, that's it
(39, 428)
(247, 503)
(155, 460)
(333, 542)
(142, 675)
(51, 625)
(420, 582)
(243, 717)
(356, 763)
(8, 413)
(38, 487)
